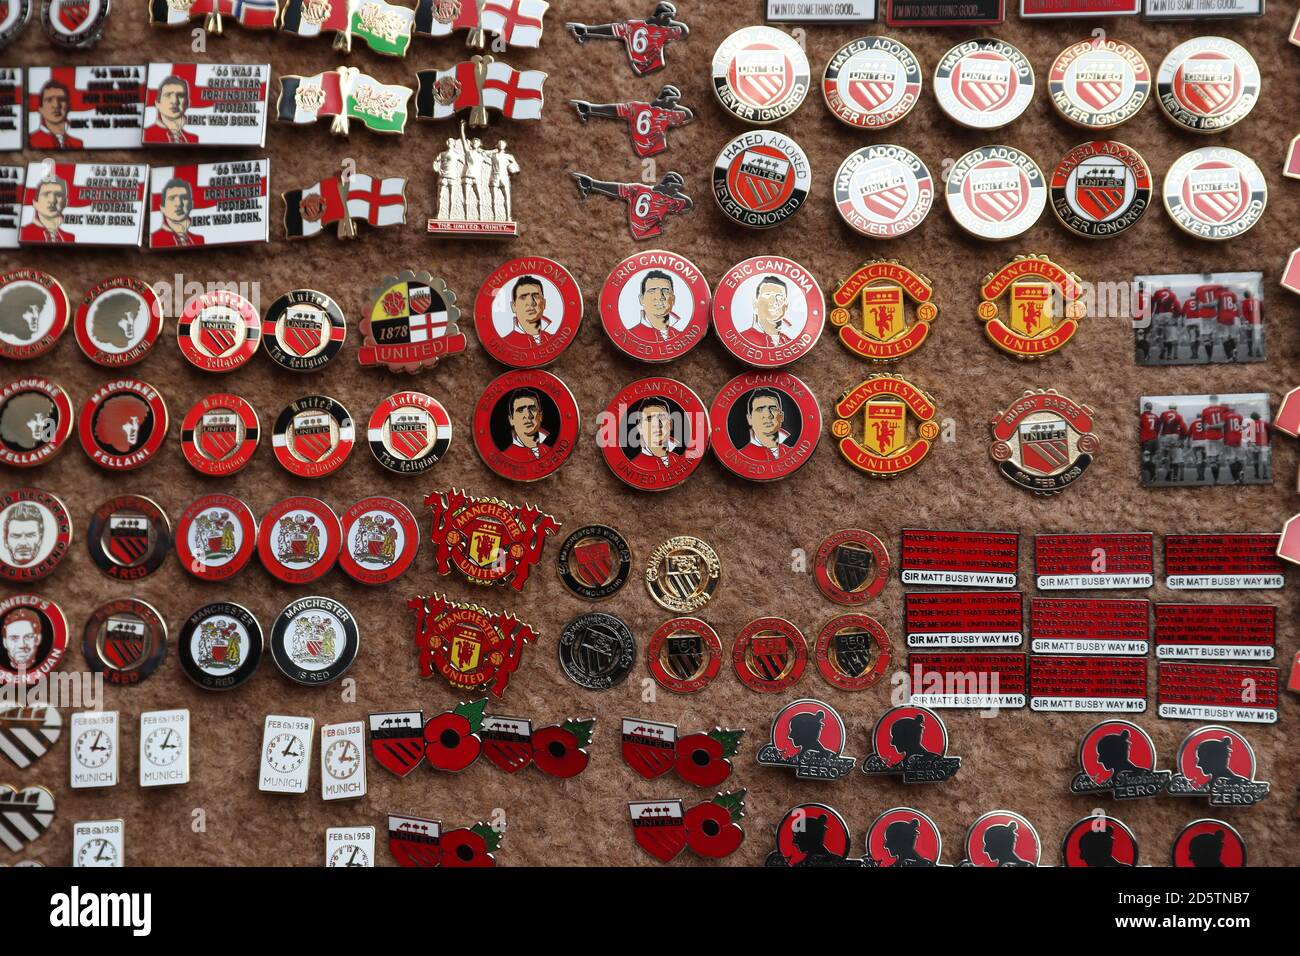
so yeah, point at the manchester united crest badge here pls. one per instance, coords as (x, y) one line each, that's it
(1044, 306)
(1044, 442)
(883, 289)
(411, 324)
(885, 402)
(486, 539)
(474, 649)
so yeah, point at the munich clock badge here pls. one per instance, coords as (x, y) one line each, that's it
(472, 648)
(883, 290)
(487, 540)
(1044, 441)
(412, 322)
(1044, 306)
(885, 403)
(808, 737)
(648, 122)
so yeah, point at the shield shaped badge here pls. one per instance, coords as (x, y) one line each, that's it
(983, 81)
(27, 733)
(303, 333)
(1208, 82)
(852, 566)
(218, 434)
(128, 538)
(408, 434)
(1044, 446)
(485, 545)
(884, 195)
(124, 642)
(218, 335)
(684, 655)
(1215, 192)
(593, 562)
(997, 192)
(397, 741)
(762, 180)
(684, 574)
(762, 77)
(649, 748)
(466, 649)
(882, 312)
(886, 426)
(414, 841)
(1099, 86)
(596, 651)
(73, 13)
(1099, 190)
(658, 828)
(771, 655)
(853, 652)
(508, 742)
(313, 436)
(1031, 309)
(871, 86)
(419, 299)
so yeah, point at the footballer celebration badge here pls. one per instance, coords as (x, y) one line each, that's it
(684, 655)
(411, 324)
(761, 178)
(122, 424)
(1099, 83)
(487, 540)
(380, 539)
(760, 75)
(74, 24)
(768, 311)
(1044, 441)
(471, 648)
(1099, 841)
(808, 737)
(526, 424)
(813, 835)
(314, 641)
(220, 646)
(903, 836)
(118, 321)
(1100, 188)
(1219, 764)
(683, 573)
(769, 655)
(595, 562)
(1215, 193)
(655, 306)
(215, 536)
(648, 122)
(883, 191)
(33, 313)
(985, 83)
(884, 288)
(128, 538)
(218, 331)
(1002, 838)
(125, 640)
(1044, 306)
(13, 18)
(35, 534)
(397, 740)
(886, 402)
(648, 207)
(851, 566)
(766, 425)
(872, 82)
(1210, 844)
(912, 742)
(644, 40)
(527, 312)
(597, 650)
(35, 421)
(219, 434)
(409, 432)
(35, 637)
(996, 192)
(852, 651)
(303, 330)
(299, 539)
(654, 433)
(1119, 757)
(313, 436)
(1207, 84)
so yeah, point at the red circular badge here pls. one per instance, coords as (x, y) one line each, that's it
(769, 655)
(313, 436)
(299, 539)
(35, 636)
(215, 537)
(527, 312)
(765, 425)
(851, 566)
(219, 331)
(35, 534)
(1002, 838)
(33, 313)
(812, 833)
(852, 651)
(1099, 840)
(655, 306)
(219, 434)
(118, 321)
(123, 424)
(35, 421)
(1208, 843)
(768, 311)
(409, 432)
(526, 424)
(684, 655)
(654, 433)
(380, 539)
(903, 836)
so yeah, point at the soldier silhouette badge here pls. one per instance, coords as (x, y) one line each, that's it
(473, 192)
(1209, 844)
(1119, 758)
(911, 741)
(1217, 763)
(808, 737)
(812, 834)
(903, 837)
(1099, 841)
(1002, 838)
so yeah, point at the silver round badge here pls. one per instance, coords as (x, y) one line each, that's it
(14, 15)
(1215, 193)
(761, 178)
(984, 83)
(1208, 84)
(74, 24)
(760, 75)
(996, 192)
(883, 191)
(597, 650)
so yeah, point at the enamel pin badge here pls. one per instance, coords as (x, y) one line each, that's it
(883, 289)
(648, 122)
(808, 737)
(1044, 442)
(473, 189)
(648, 207)
(470, 647)
(487, 540)
(885, 402)
(1044, 306)
(645, 40)
(413, 322)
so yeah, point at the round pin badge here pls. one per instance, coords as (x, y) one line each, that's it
(660, 432)
(123, 424)
(526, 424)
(220, 645)
(527, 312)
(313, 436)
(760, 75)
(299, 539)
(1099, 83)
(314, 641)
(35, 534)
(594, 562)
(409, 432)
(852, 651)
(996, 192)
(1210, 844)
(128, 538)
(768, 311)
(13, 18)
(684, 655)
(35, 637)
(851, 566)
(872, 82)
(883, 191)
(303, 330)
(74, 24)
(380, 539)
(766, 425)
(1215, 193)
(35, 421)
(1101, 188)
(33, 313)
(903, 836)
(597, 650)
(1002, 838)
(125, 640)
(218, 331)
(984, 83)
(1099, 841)
(769, 655)
(215, 536)
(219, 434)
(655, 306)
(118, 321)
(683, 573)
(812, 834)
(1208, 84)
(761, 178)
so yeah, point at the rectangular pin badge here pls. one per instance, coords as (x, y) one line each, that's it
(209, 204)
(1060, 9)
(967, 559)
(1218, 693)
(343, 761)
(11, 204)
(1207, 318)
(100, 843)
(1230, 632)
(1201, 9)
(976, 681)
(85, 107)
(164, 748)
(939, 619)
(286, 754)
(1072, 562)
(413, 841)
(942, 13)
(821, 11)
(1093, 685)
(12, 109)
(206, 104)
(1088, 626)
(83, 204)
(350, 846)
(93, 750)
(1190, 441)
(1223, 562)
